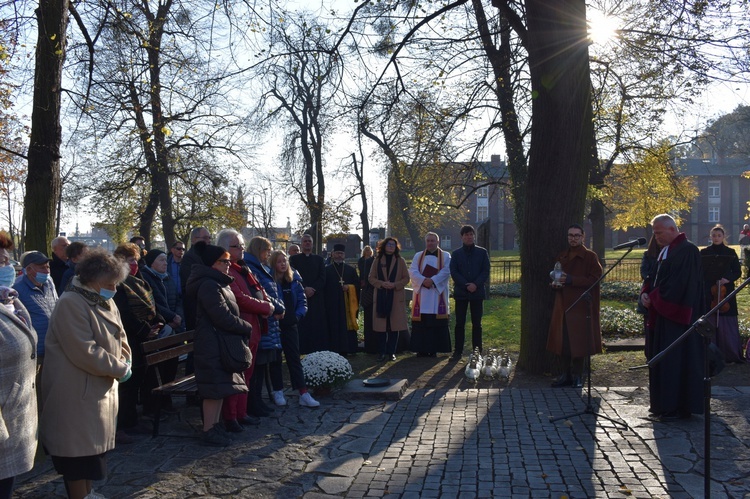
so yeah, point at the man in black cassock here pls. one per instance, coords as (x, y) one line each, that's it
(313, 330)
(339, 276)
(674, 303)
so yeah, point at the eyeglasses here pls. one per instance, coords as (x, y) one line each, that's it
(179, 249)
(223, 260)
(241, 246)
(575, 236)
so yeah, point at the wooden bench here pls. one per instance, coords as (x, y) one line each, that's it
(160, 350)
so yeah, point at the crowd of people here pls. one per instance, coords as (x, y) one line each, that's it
(72, 328)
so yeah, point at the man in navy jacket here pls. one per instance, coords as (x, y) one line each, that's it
(470, 270)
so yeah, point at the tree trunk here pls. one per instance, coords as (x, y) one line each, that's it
(560, 157)
(43, 180)
(146, 220)
(359, 173)
(598, 218)
(163, 167)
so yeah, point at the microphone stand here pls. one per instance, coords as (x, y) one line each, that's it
(706, 330)
(589, 409)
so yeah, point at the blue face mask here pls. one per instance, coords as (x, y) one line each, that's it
(7, 275)
(107, 294)
(41, 278)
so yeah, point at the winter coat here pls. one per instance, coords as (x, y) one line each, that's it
(18, 412)
(470, 264)
(272, 340)
(585, 338)
(138, 314)
(398, 309)
(86, 353)
(217, 313)
(298, 300)
(159, 287)
(253, 303)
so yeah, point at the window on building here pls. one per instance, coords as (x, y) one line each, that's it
(714, 214)
(445, 242)
(483, 192)
(714, 189)
(482, 213)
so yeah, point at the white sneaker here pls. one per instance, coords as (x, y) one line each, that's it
(94, 495)
(306, 400)
(278, 398)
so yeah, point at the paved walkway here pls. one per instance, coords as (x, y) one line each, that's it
(432, 443)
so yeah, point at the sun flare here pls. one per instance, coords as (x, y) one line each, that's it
(602, 28)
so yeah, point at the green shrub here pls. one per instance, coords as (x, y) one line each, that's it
(509, 289)
(621, 322)
(621, 291)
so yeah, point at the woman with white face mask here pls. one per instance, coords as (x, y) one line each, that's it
(87, 356)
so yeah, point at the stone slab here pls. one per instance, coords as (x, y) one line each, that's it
(355, 390)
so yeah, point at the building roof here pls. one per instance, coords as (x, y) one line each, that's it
(697, 167)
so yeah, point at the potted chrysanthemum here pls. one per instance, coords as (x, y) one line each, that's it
(325, 371)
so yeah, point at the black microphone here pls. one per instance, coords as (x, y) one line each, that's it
(638, 242)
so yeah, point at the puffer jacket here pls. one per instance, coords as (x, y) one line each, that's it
(272, 340)
(297, 290)
(217, 312)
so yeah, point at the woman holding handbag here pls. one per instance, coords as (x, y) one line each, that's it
(217, 314)
(389, 275)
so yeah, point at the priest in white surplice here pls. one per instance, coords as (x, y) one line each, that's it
(430, 274)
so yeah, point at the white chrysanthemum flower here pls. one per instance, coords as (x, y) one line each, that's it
(326, 369)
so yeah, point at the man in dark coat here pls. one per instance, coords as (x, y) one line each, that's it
(59, 263)
(470, 270)
(571, 335)
(186, 266)
(675, 302)
(313, 331)
(342, 281)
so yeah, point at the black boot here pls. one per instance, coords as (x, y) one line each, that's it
(255, 405)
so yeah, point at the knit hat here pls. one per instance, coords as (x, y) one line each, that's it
(208, 252)
(152, 255)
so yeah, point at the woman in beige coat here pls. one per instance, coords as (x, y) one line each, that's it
(86, 355)
(389, 275)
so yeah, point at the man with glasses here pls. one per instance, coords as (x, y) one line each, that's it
(571, 335)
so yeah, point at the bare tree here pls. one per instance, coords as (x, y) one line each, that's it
(165, 87)
(301, 77)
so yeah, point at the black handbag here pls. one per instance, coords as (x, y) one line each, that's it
(234, 353)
